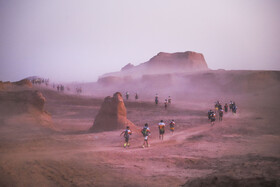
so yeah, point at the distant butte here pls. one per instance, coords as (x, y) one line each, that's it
(188, 60)
(164, 63)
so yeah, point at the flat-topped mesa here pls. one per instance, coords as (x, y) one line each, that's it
(112, 115)
(162, 63)
(181, 61)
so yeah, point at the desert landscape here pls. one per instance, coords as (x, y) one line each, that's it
(65, 138)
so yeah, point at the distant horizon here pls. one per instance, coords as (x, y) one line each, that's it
(91, 81)
(70, 41)
(94, 81)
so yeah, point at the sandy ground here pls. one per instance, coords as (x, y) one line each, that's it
(243, 149)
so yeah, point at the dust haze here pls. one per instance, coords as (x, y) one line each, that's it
(68, 134)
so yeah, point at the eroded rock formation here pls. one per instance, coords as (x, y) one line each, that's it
(112, 115)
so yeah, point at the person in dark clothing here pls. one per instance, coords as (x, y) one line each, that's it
(226, 107)
(126, 133)
(221, 113)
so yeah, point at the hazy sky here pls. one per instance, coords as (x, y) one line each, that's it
(79, 40)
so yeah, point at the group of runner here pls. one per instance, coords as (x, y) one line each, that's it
(60, 88)
(127, 96)
(40, 81)
(146, 132)
(219, 110)
(166, 101)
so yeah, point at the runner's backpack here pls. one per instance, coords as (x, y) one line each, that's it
(144, 132)
(126, 133)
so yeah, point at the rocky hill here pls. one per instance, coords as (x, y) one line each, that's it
(163, 63)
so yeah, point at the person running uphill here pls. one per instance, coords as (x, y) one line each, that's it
(126, 133)
(146, 132)
(127, 95)
(234, 108)
(161, 127)
(172, 126)
(169, 100)
(165, 104)
(156, 99)
(210, 112)
(226, 107)
(212, 118)
(221, 113)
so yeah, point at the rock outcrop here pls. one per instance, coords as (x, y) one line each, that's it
(112, 115)
(24, 82)
(22, 101)
(11, 85)
(182, 61)
(24, 107)
(164, 63)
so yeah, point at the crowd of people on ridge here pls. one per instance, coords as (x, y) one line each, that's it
(40, 81)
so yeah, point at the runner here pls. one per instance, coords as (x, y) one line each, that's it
(169, 100)
(161, 127)
(209, 114)
(127, 95)
(234, 108)
(213, 118)
(146, 132)
(156, 99)
(165, 104)
(221, 113)
(126, 133)
(172, 126)
(226, 107)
